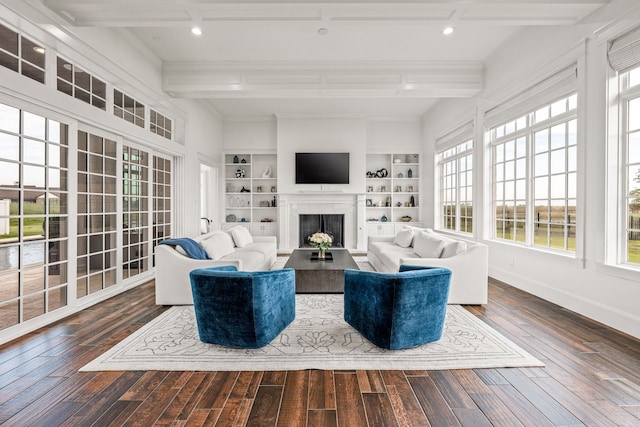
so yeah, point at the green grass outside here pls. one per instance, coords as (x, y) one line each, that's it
(32, 225)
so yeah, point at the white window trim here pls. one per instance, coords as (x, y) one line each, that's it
(453, 138)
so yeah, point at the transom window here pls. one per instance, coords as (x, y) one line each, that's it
(76, 82)
(128, 108)
(160, 125)
(534, 176)
(22, 55)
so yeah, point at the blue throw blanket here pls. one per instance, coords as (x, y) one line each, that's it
(190, 246)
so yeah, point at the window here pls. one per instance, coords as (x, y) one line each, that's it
(630, 108)
(97, 214)
(21, 55)
(159, 124)
(534, 176)
(135, 197)
(623, 218)
(76, 82)
(128, 108)
(161, 200)
(33, 215)
(456, 187)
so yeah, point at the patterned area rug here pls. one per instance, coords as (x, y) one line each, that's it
(319, 338)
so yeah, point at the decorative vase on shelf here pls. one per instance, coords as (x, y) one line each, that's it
(409, 173)
(235, 159)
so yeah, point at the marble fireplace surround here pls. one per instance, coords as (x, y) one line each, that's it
(291, 206)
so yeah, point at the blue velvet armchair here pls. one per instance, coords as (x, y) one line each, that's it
(240, 308)
(397, 310)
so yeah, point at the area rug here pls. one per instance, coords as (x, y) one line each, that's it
(319, 338)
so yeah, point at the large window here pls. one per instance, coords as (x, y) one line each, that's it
(135, 197)
(534, 176)
(161, 200)
(97, 170)
(630, 107)
(33, 215)
(456, 187)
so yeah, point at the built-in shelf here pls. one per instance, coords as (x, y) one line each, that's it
(393, 188)
(251, 192)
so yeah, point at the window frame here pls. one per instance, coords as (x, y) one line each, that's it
(530, 127)
(453, 153)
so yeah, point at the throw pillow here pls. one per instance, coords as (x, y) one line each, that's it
(452, 247)
(404, 238)
(218, 245)
(428, 245)
(241, 236)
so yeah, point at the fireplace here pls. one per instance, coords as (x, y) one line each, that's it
(332, 224)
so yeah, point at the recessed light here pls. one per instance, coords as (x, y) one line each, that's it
(196, 31)
(323, 31)
(38, 49)
(447, 31)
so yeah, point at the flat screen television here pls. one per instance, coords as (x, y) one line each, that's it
(322, 168)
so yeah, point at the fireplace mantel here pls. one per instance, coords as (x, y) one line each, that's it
(352, 206)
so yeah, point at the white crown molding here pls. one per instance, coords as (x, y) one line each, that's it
(146, 13)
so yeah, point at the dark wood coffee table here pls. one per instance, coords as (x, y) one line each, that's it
(318, 277)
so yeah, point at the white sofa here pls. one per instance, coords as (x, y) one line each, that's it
(173, 286)
(468, 261)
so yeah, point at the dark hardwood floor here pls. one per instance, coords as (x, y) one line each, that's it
(591, 377)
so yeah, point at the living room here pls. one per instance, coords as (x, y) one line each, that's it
(572, 279)
(214, 116)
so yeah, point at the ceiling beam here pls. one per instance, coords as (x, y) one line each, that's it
(321, 80)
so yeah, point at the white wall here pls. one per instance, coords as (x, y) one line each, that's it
(604, 293)
(321, 135)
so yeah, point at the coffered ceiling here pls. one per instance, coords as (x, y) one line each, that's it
(262, 57)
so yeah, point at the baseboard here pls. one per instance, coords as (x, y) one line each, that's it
(625, 322)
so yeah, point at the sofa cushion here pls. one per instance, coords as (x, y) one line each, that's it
(391, 259)
(404, 238)
(452, 247)
(218, 245)
(428, 245)
(380, 248)
(265, 249)
(241, 236)
(251, 260)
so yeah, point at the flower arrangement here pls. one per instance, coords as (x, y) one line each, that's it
(321, 241)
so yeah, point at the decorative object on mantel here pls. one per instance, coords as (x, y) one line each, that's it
(267, 172)
(322, 242)
(406, 218)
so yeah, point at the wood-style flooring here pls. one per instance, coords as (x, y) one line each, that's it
(591, 377)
